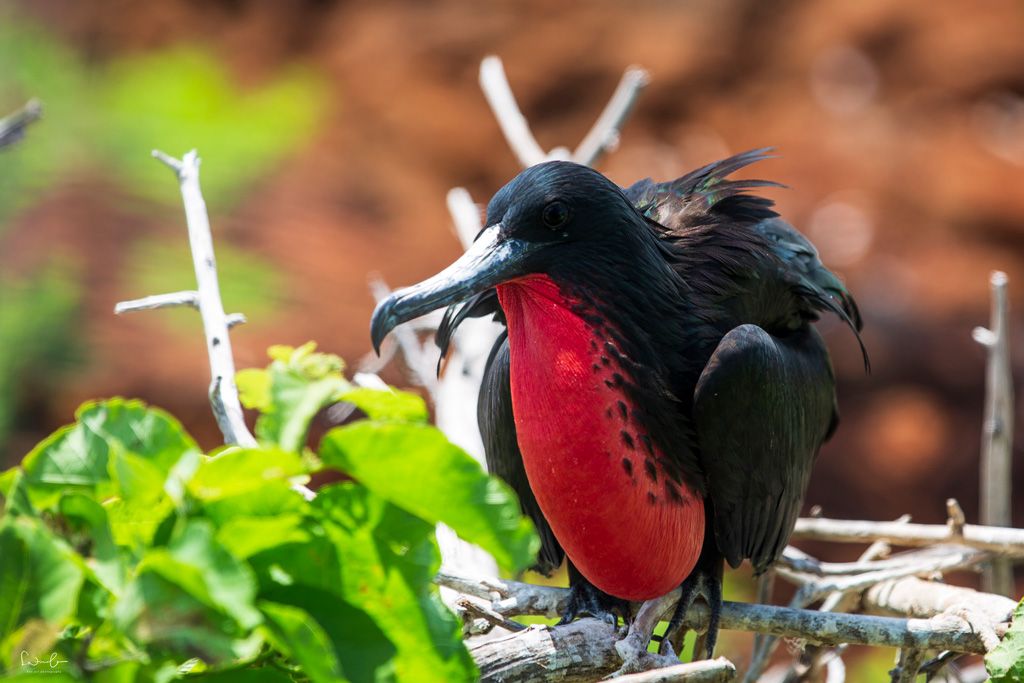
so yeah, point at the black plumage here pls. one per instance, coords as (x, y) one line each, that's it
(703, 299)
(750, 395)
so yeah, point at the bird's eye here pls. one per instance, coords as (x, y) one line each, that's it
(555, 214)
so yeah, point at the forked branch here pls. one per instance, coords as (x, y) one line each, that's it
(206, 298)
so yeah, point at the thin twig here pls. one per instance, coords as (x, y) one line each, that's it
(475, 610)
(223, 393)
(513, 124)
(188, 298)
(465, 215)
(813, 657)
(706, 671)
(997, 434)
(762, 643)
(814, 588)
(13, 126)
(1004, 542)
(908, 663)
(604, 136)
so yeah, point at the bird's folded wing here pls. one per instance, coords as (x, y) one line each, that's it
(762, 408)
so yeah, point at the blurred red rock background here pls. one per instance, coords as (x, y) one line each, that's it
(330, 133)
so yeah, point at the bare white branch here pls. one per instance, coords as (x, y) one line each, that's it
(465, 215)
(1004, 542)
(513, 124)
(206, 298)
(13, 126)
(997, 433)
(706, 671)
(604, 136)
(188, 298)
(813, 589)
(236, 319)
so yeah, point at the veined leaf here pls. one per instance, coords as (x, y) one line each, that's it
(54, 577)
(389, 559)
(206, 571)
(415, 467)
(236, 471)
(78, 456)
(291, 391)
(87, 513)
(304, 640)
(387, 405)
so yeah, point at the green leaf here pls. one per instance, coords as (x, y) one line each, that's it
(390, 558)
(206, 571)
(15, 574)
(387, 405)
(237, 470)
(157, 611)
(272, 499)
(246, 536)
(135, 478)
(253, 388)
(364, 652)
(415, 467)
(55, 573)
(78, 455)
(301, 383)
(1005, 664)
(133, 522)
(263, 674)
(313, 562)
(303, 639)
(139, 429)
(14, 492)
(86, 513)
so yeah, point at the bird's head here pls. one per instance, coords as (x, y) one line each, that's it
(550, 216)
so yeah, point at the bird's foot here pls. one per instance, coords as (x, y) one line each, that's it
(586, 600)
(633, 648)
(699, 584)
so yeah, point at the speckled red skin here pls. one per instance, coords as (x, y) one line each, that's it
(613, 519)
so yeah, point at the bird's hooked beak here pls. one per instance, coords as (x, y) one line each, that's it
(489, 261)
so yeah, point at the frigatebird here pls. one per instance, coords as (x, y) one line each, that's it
(659, 394)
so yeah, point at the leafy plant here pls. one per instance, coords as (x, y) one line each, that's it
(1005, 664)
(127, 554)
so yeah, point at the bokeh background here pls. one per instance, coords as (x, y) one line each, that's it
(330, 133)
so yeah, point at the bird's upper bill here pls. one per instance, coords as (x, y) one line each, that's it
(544, 207)
(491, 260)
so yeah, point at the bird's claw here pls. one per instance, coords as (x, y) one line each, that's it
(586, 600)
(699, 584)
(633, 647)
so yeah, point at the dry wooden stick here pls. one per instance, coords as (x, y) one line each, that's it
(1001, 541)
(997, 434)
(13, 126)
(206, 298)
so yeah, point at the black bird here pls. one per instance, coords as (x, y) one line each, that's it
(660, 393)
